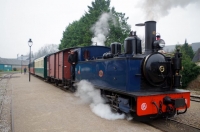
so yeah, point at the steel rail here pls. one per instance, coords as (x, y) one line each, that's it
(183, 123)
(195, 98)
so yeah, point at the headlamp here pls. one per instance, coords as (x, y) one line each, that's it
(159, 44)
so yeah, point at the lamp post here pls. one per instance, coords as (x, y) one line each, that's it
(30, 43)
(21, 63)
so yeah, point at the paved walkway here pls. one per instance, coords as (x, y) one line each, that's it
(41, 107)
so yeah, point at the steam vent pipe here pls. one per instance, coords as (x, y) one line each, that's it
(150, 36)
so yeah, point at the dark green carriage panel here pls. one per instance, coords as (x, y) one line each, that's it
(45, 67)
(39, 72)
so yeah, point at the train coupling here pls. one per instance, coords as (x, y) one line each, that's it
(176, 103)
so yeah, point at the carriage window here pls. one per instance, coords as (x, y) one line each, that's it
(86, 55)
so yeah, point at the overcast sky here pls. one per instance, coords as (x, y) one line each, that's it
(45, 20)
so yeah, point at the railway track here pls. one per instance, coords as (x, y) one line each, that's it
(195, 98)
(6, 76)
(3, 77)
(171, 125)
(192, 128)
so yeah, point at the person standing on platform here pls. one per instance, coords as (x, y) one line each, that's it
(25, 70)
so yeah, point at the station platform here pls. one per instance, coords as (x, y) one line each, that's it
(38, 106)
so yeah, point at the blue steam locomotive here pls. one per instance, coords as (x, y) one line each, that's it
(141, 84)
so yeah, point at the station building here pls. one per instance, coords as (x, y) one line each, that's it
(13, 64)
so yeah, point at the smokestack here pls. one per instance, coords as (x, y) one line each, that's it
(150, 36)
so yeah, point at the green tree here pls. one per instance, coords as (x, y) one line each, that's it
(78, 33)
(120, 29)
(187, 50)
(190, 70)
(71, 36)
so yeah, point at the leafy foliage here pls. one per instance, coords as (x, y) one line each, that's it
(187, 50)
(190, 69)
(78, 33)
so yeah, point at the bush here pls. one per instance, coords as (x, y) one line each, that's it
(190, 71)
(14, 69)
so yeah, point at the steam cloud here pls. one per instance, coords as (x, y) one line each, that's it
(101, 29)
(89, 94)
(155, 9)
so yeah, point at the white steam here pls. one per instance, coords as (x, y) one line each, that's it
(101, 29)
(90, 95)
(155, 9)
